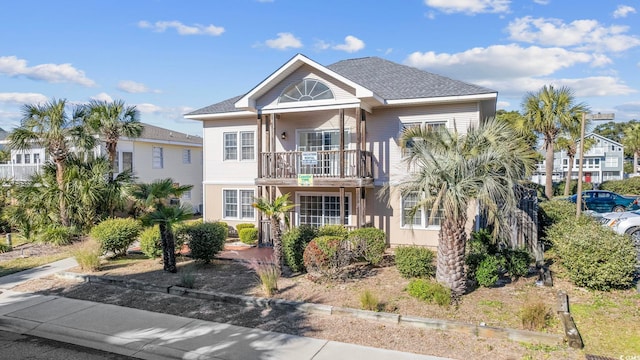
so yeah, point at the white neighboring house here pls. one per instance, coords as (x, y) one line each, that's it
(604, 161)
(328, 136)
(157, 154)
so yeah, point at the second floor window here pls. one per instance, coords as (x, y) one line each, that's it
(36, 158)
(158, 161)
(27, 158)
(239, 145)
(421, 218)
(186, 156)
(18, 158)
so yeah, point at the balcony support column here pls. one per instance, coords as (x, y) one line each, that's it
(341, 114)
(259, 143)
(358, 144)
(342, 213)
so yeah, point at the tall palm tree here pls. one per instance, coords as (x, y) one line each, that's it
(453, 172)
(274, 211)
(48, 126)
(113, 120)
(548, 112)
(631, 143)
(156, 197)
(569, 142)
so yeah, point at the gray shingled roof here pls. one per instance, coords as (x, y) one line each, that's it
(389, 80)
(153, 132)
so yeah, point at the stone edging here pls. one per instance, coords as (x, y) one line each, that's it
(426, 323)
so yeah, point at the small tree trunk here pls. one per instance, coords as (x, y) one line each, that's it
(567, 185)
(277, 243)
(451, 250)
(112, 151)
(62, 205)
(168, 248)
(548, 181)
(635, 161)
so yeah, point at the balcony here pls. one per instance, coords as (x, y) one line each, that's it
(18, 172)
(325, 167)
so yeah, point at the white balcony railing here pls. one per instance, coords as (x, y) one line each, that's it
(18, 172)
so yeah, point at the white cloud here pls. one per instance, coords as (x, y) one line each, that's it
(284, 41)
(146, 108)
(351, 44)
(542, 2)
(502, 104)
(54, 73)
(498, 62)
(623, 11)
(22, 98)
(582, 34)
(430, 15)
(182, 29)
(470, 7)
(102, 97)
(134, 87)
(321, 45)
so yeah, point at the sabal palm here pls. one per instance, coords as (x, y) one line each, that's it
(48, 126)
(274, 211)
(453, 172)
(569, 142)
(155, 198)
(548, 112)
(113, 120)
(631, 143)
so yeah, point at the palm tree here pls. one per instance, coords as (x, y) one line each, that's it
(156, 197)
(274, 211)
(549, 112)
(631, 143)
(48, 126)
(453, 172)
(112, 120)
(569, 142)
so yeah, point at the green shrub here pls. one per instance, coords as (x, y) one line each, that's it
(88, 256)
(150, 242)
(333, 230)
(488, 271)
(429, 291)
(535, 316)
(4, 248)
(327, 255)
(244, 226)
(294, 242)
(368, 243)
(414, 261)
(248, 235)
(57, 234)
(594, 256)
(116, 235)
(368, 301)
(206, 239)
(517, 262)
(187, 278)
(626, 186)
(268, 273)
(551, 212)
(558, 189)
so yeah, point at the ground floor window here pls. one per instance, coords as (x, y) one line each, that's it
(318, 210)
(418, 217)
(237, 204)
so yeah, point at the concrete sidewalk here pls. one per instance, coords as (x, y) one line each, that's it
(9, 281)
(150, 335)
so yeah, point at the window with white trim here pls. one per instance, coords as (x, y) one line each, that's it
(36, 158)
(611, 161)
(186, 195)
(426, 125)
(421, 217)
(319, 210)
(306, 90)
(186, 156)
(18, 158)
(27, 158)
(238, 204)
(158, 160)
(242, 150)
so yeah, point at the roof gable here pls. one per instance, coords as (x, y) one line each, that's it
(594, 135)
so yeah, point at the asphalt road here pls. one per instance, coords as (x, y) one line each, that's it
(24, 347)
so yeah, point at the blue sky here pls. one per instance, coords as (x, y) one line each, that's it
(171, 57)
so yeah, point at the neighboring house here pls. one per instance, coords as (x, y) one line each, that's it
(604, 161)
(328, 136)
(157, 154)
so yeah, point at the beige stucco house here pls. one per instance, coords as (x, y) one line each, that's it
(328, 136)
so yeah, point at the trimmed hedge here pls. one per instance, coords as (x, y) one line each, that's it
(327, 255)
(623, 187)
(368, 243)
(415, 261)
(150, 242)
(558, 189)
(593, 256)
(116, 235)
(333, 230)
(551, 212)
(206, 239)
(294, 243)
(244, 226)
(248, 235)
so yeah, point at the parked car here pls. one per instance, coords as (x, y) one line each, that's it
(630, 225)
(607, 219)
(606, 201)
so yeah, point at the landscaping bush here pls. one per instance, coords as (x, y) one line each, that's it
(517, 262)
(368, 301)
(333, 230)
(551, 212)
(558, 189)
(626, 186)
(327, 255)
(116, 235)
(429, 291)
(4, 248)
(268, 272)
(150, 242)
(488, 271)
(368, 243)
(206, 239)
(57, 235)
(535, 316)
(248, 235)
(594, 256)
(88, 256)
(414, 261)
(294, 243)
(244, 226)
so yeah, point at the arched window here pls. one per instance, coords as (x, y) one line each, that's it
(306, 90)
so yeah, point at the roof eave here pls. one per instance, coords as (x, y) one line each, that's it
(233, 114)
(443, 99)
